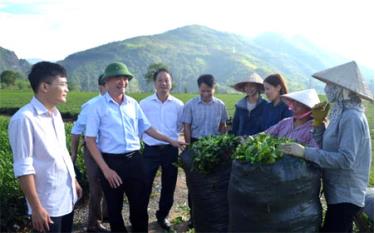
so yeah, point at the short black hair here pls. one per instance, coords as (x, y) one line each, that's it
(207, 79)
(44, 71)
(157, 72)
(101, 81)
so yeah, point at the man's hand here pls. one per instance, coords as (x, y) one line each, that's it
(319, 113)
(41, 220)
(112, 177)
(294, 149)
(178, 144)
(79, 190)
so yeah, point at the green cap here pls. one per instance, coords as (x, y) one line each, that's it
(117, 69)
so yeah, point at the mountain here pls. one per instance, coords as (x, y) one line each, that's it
(10, 61)
(193, 50)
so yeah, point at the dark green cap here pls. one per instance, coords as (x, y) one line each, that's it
(117, 69)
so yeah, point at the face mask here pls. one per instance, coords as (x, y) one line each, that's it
(332, 92)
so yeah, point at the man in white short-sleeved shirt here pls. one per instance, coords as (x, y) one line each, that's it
(164, 112)
(41, 160)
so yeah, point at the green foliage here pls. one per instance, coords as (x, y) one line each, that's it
(149, 76)
(261, 149)
(211, 151)
(12, 202)
(8, 78)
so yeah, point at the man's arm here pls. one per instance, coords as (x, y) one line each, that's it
(155, 134)
(187, 132)
(222, 127)
(112, 177)
(74, 147)
(40, 217)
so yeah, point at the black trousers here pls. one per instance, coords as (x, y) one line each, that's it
(163, 156)
(61, 224)
(190, 203)
(130, 168)
(339, 217)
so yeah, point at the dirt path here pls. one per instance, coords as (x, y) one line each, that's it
(178, 216)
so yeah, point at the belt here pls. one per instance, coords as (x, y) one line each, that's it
(160, 147)
(128, 155)
(194, 140)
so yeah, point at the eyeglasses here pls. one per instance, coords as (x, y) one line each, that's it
(61, 84)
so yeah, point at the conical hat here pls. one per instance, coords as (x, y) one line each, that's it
(347, 76)
(253, 78)
(307, 97)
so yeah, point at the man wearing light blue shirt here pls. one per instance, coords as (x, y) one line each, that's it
(96, 194)
(118, 121)
(164, 113)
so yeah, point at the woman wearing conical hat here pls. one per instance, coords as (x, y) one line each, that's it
(297, 127)
(346, 146)
(248, 113)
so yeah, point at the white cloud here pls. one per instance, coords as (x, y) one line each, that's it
(58, 28)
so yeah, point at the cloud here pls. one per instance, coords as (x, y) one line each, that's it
(53, 29)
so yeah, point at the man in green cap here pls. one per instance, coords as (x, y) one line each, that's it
(117, 121)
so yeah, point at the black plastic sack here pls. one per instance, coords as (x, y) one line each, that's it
(282, 197)
(208, 195)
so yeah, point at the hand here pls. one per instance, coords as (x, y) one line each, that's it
(294, 149)
(112, 177)
(79, 190)
(178, 144)
(319, 113)
(41, 220)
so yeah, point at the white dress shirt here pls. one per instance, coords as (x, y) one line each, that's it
(165, 117)
(38, 142)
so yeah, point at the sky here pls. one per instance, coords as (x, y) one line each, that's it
(53, 29)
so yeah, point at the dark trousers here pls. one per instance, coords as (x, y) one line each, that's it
(190, 204)
(96, 194)
(164, 156)
(339, 217)
(61, 224)
(131, 171)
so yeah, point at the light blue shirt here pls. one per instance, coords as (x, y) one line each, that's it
(205, 118)
(79, 126)
(118, 126)
(345, 158)
(163, 116)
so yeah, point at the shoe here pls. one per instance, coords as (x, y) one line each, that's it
(190, 224)
(98, 228)
(164, 224)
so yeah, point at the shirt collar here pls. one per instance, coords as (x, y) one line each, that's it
(202, 102)
(40, 108)
(109, 98)
(155, 97)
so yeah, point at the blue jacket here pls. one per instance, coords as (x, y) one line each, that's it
(273, 114)
(245, 122)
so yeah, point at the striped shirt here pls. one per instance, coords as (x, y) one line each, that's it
(204, 118)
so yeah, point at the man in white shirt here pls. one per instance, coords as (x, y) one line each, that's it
(41, 160)
(164, 113)
(93, 172)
